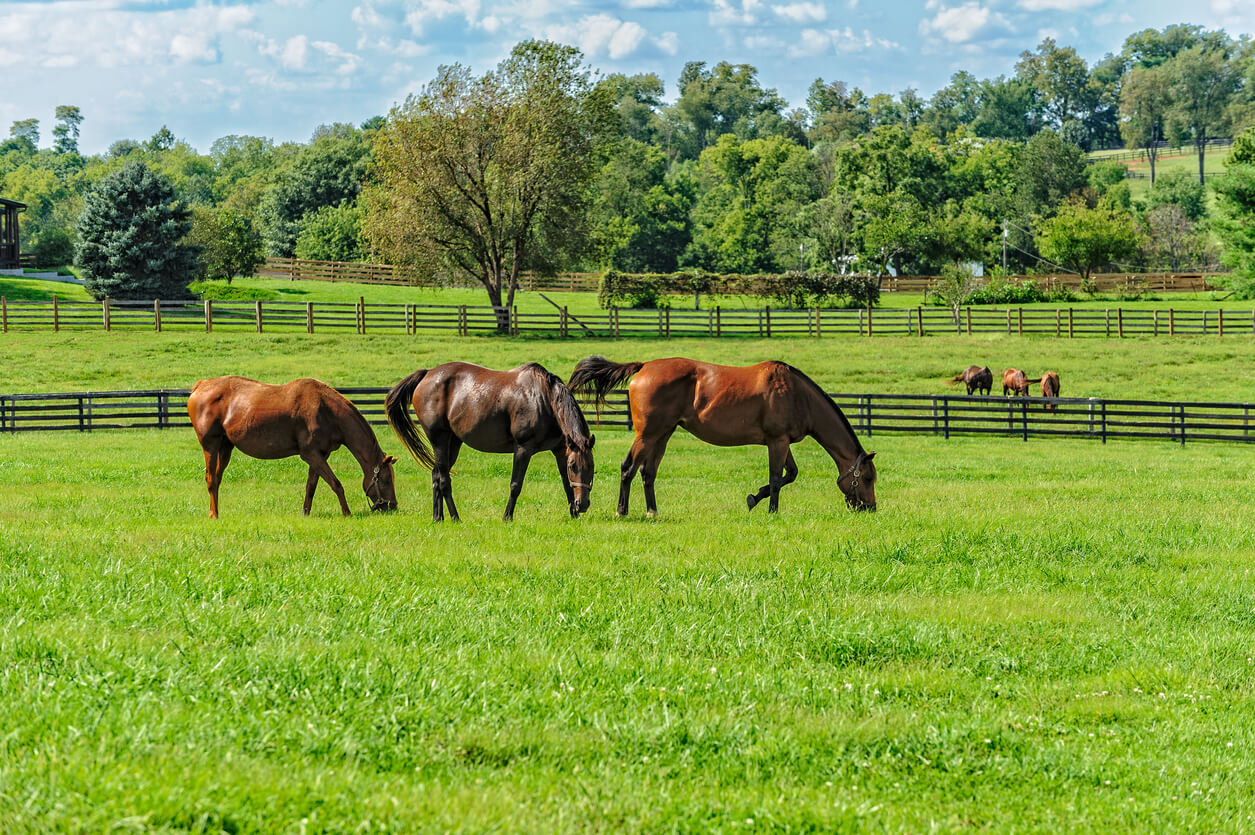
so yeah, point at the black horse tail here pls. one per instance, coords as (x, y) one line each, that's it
(396, 407)
(957, 377)
(596, 376)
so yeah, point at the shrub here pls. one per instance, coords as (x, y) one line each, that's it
(130, 237)
(229, 245)
(795, 289)
(55, 248)
(332, 233)
(226, 293)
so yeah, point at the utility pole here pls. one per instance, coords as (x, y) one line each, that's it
(1004, 249)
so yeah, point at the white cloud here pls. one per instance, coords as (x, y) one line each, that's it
(426, 11)
(840, 41)
(1057, 5)
(600, 34)
(668, 43)
(959, 24)
(646, 4)
(802, 12)
(734, 12)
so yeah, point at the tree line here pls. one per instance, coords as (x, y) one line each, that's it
(540, 164)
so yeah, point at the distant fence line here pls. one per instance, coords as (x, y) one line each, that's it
(1162, 150)
(364, 273)
(465, 320)
(870, 414)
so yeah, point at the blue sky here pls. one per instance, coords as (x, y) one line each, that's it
(281, 67)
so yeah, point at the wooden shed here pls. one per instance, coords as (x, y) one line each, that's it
(10, 240)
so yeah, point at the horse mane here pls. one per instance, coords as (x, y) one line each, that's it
(565, 409)
(815, 387)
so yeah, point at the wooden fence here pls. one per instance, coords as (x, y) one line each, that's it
(870, 414)
(464, 320)
(1139, 154)
(356, 273)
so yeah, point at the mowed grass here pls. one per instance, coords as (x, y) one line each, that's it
(1193, 368)
(1024, 638)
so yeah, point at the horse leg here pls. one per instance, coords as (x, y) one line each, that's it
(217, 456)
(778, 453)
(627, 472)
(311, 483)
(560, 454)
(318, 464)
(790, 475)
(455, 446)
(522, 458)
(649, 471)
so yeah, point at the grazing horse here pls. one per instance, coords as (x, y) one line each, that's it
(770, 403)
(523, 411)
(304, 417)
(1015, 382)
(976, 379)
(1050, 388)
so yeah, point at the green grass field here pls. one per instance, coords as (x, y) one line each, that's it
(1021, 639)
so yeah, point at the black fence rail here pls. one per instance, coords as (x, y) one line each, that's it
(465, 320)
(870, 414)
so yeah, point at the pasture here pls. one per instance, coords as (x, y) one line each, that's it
(1026, 636)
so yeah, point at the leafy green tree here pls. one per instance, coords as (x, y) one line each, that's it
(490, 176)
(1060, 78)
(26, 132)
(724, 99)
(1234, 223)
(1007, 110)
(640, 217)
(333, 233)
(65, 132)
(1152, 48)
(637, 100)
(1084, 239)
(162, 140)
(326, 173)
(956, 105)
(1145, 102)
(228, 244)
(131, 237)
(47, 228)
(1204, 82)
(1050, 169)
(1177, 188)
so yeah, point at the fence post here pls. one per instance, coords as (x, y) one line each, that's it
(869, 320)
(82, 424)
(56, 315)
(660, 324)
(1107, 323)
(515, 312)
(1104, 421)
(945, 417)
(104, 312)
(1008, 321)
(1220, 322)
(4, 314)
(667, 318)
(1071, 332)
(1020, 312)
(257, 311)
(919, 319)
(361, 314)
(860, 322)
(1120, 321)
(1204, 323)
(865, 412)
(464, 321)
(768, 321)
(309, 317)
(935, 414)
(564, 324)
(1172, 323)
(718, 322)
(969, 321)
(209, 315)
(1181, 423)
(1024, 419)
(1058, 322)
(1156, 323)
(157, 315)
(616, 321)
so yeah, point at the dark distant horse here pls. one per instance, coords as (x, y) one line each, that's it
(523, 411)
(1050, 388)
(1015, 382)
(304, 417)
(976, 379)
(771, 403)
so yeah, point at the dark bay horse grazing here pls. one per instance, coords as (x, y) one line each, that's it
(1015, 382)
(304, 417)
(771, 403)
(1050, 388)
(976, 378)
(523, 411)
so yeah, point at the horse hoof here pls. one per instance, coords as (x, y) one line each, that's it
(651, 514)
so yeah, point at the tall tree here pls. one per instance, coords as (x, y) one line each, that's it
(1145, 102)
(1204, 81)
(65, 132)
(26, 131)
(1235, 214)
(489, 176)
(1060, 77)
(1085, 239)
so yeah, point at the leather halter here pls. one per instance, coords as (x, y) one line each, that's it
(375, 504)
(856, 471)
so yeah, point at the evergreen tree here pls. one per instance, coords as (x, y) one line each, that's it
(130, 237)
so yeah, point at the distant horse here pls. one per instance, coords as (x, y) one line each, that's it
(1050, 388)
(770, 403)
(523, 411)
(1015, 382)
(976, 379)
(304, 417)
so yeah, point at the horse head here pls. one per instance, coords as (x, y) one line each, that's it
(379, 484)
(859, 483)
(579, 470)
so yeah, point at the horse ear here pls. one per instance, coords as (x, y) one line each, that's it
(390, 459)
(871, 455)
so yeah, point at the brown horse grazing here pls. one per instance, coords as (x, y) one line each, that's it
(1050, 388)
(1015, 382)
(304, 417)
(976, 379)
(523, 411)
(771, 403)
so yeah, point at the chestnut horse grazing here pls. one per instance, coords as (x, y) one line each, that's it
(1050, 388)
(1014, 381)
(523, 412)
(976, 378)
(771, 403)
(304, 417)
